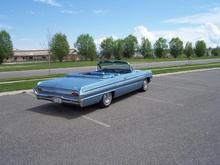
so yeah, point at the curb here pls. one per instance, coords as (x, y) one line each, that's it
(182, 72)
(15, 92)
(158, 75)
(11, 82)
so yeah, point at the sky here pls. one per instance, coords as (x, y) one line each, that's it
(30, 22)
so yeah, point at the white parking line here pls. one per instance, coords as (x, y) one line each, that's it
(178, 87)
(85, 117)
(188, 89)
(96, 121)
(160, 101)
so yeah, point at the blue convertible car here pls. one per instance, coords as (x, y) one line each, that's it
(110, 80)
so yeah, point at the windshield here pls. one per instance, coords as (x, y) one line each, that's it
(114, 66)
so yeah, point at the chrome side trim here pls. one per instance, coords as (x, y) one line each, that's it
(112, 90)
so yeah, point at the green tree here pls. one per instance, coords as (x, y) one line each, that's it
(160, 47)
(118, 49)
(176, 47)
(86, 46)
(216, 51)
(146, 48)
(188, 51)
(130, 46)
(200, 48)
(59, 46)
(107, 47)
(6, 46)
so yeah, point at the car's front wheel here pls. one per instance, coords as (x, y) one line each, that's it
(145, 85)
(106, 100)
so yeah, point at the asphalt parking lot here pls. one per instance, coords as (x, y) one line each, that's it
(177, 121)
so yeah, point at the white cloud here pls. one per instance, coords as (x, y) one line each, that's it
(35, 13)
(49, 2)
(25, 39)
(31, 12)
(72, 11)
(99, 40)
(203, 26)
(212, 15)
(101, 11)
(141, 31)
(208, 32)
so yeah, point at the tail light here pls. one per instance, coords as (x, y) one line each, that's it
(75, 93)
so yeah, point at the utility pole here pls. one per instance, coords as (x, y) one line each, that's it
(49, 60)
(49, 52)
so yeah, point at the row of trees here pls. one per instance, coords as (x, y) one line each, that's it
(110, 48)
(128, 46)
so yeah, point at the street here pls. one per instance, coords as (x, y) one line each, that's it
(43, 72)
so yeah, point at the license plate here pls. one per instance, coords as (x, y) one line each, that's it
(57, 100)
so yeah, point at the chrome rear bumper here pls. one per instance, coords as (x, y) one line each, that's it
(52, 98)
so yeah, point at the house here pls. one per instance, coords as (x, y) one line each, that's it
(40, 55)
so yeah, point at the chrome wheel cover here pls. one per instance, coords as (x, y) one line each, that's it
(107, 99)
(145, 85)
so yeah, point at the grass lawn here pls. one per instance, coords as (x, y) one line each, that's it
(30, 78)
(32, 81)
(44, 65)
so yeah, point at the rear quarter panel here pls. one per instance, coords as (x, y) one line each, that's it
(119, 85)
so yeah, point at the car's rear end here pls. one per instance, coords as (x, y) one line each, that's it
(63, 90)
(57, 95)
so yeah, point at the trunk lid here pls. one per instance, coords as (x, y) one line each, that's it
(67, 83)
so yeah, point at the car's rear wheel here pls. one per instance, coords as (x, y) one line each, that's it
(106, 100)
(145, 85)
